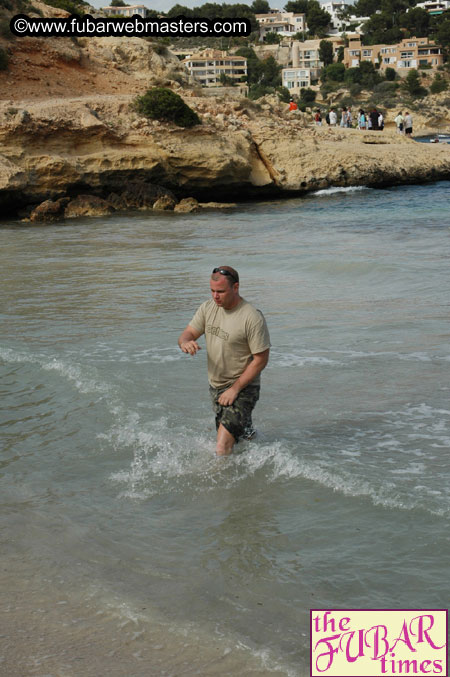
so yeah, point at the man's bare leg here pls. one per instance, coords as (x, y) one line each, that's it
(225, 442)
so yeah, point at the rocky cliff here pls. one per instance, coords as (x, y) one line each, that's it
(59, 147)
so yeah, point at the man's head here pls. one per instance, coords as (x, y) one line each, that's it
(225, 287)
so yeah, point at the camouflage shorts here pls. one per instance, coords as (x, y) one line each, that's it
(237, 417)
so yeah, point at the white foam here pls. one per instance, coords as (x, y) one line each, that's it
(299, 360)
(340, 189)
(168, 460)
(80, 376)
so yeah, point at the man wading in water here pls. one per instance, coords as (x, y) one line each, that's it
(237, 344)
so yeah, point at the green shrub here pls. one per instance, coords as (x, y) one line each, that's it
(412, 85)
(385, 87)
(5, 31)
(72, 6)
(257, 91)
(226, 81)
(438, 85)
(160, 103)
(3, 59)
(283, 94)
(307, 95)
(329, 87)
(159, 49)
(390, 73)
(334, 72)
(355, 89)
(272, 39)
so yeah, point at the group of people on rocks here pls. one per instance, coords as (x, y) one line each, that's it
(371, 120)
(331, 117)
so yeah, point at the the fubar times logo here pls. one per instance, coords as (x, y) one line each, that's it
(379, 642)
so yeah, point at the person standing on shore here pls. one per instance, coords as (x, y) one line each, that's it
(408, 124)
(399, 120)
(374, 119)
(349, 118)
(362, 122)
(237, 346)
(333, 118)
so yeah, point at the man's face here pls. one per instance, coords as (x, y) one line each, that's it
(224, 292)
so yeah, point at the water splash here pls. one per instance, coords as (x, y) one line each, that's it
(342, 189)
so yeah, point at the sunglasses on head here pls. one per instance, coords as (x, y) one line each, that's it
(222, 271)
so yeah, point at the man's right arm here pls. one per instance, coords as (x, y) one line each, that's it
(188, 340)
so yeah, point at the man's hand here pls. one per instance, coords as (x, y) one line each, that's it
(190, 347)
(188, 341)
(228, 396)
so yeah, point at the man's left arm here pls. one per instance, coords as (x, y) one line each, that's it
(251, 371)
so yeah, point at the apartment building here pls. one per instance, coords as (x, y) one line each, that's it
(208, 65)
(334, 9)
(306, 63)
(305, 55)
(435, 8)
(283, 23)
(409, 53)
(131, 10)
(294, 79)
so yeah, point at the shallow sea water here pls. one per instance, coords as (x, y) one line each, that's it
(128, 548)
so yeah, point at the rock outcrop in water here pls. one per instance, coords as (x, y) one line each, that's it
(55, 147)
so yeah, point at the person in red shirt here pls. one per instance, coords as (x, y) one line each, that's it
(292, 105)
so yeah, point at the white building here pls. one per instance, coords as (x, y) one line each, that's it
(208, 65)
(283, 23)
(334, 9)
(131, 10)
(434, 7)
(294, 79)
(306, 66)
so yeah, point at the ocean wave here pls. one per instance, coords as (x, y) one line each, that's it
(107, 353)
(340, 189)
(168, 459)
(409, 357)
(280, 359)
(80, 376)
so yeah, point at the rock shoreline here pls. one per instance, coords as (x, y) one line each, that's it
(55, 151)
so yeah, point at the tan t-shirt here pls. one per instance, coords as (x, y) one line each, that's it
(232, 337)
